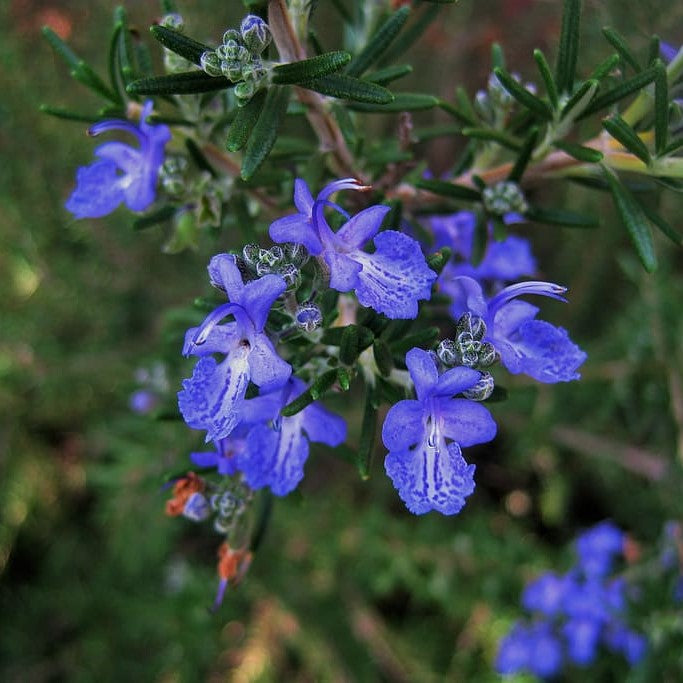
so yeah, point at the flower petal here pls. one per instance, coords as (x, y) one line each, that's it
(404, 425)
(431, 478)
(303, 199)
(98, 191)
(296, 228)
(362, 227)
(455, 232)
(268, 370)
(395, 277)
(323, 426)
(258, 296)
(507, 260)
(464, 421)
(465, 292)
(275, 458)
(343, 271)
(212, 398)
(422, 371)
(224, 274)
(456, 380)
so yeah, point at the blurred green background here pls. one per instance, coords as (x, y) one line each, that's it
(97, 584)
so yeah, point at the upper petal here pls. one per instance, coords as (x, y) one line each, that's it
(507, 260)
(224, 274)
(303, 199)
(423, 372)
(465, 421)
(404, 425)
(296, 228)
(431, 478)
(124, 156)
(343, 270)
(362, 227)
(395, 277)
(212, 398)
(268, 370)
(465, 292)
(258, 296)
(323, 426)
(456, 380)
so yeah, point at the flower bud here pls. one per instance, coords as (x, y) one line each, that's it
(291, 275)
(210, 63)
(482, 389)
(448, 353)
(231, 36)
(197, 508)
(244, 91)
(255, 33)
(232, 70)
(308, 317)
(504, 197)
(296, 253)
(250, 254)
(488, 355)
(173, 21)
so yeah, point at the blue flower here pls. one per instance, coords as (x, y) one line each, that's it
(212, 398)
(428, 473)
(391, 280)
(597, 548)
(224, 458)
(122, 174)
(545, 595)
(531, 648)
(506, 260)
(275, 453)
(526, 345)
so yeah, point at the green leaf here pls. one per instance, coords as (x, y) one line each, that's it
(186, 47)
(402, 101)
(265, 131)
(604, 68)
(309, 69)
(68, 115)
(569, 46)
(444, 189)
(80, 71)
(323, 384)
(674, 146)
(579, 152)
(159, 216)
(492, 135)
(563, 217)
(126, 54)
(348, 346)
(368, 433)
(198, 157)
(666, 229)
(623, 133)
(438, 260)
(183, 83)
(438, 131)
(408, 37)
(345, 87)
(424, 338)
(579, 100)
(244, 121)
(634, 219)
(620, 91)
(524, 156)
(523, 96)
(378, 43)
(618, 43)
(301, 401)
(661, 108)
(547, 76)
(389, 74)
(383, 358)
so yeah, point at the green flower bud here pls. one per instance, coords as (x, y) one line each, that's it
(255, 33)
(231, 36)
(504, 197)
(210, 63)
(296, 253)
(173, 21)
(448, 353)
(250, 254)
(291, 275)
(231, 70)
(482, 389)
(245, 90)
(488, 355)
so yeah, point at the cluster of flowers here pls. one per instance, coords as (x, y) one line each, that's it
(253, 441)
(575, 613)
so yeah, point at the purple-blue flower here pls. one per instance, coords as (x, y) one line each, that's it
(277, 447)
(506, 260)
(224, 458)
(121, 174)
(532, 648)
(598, 547)
(526, 345)
(428, 473)
(391, 280)
(545, 595)
(213, 397)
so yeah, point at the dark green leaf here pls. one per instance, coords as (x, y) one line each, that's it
(402, 101)
(301, 401)
(673, 234)
(653, 52)
(333, 336)
(563, 217)
(604, 68)
(620, 91)
(408, 37)
(396, 329)
(383, 357)
(79, 69)
(524, 156)
(444, 189)
(244, 121)
(389, 74)
(368, 432)
(579, 100)
(674, 146)
(378, 43)
(113, 62)
(424, 338)
(159, 216)
(198, 157)
(569, 46)
(431, 132)
(618, 43)
(438, 260)
(69, 115)
(323, 384)
(579, 152)
(183, 83)
(634, 219)
(492, 135)
(345, 87)
(547, 76)
(623, 133)
(186, 47)
(523, 96)
(661, 108)
(265, 131)
(348, 346)
(497, 56)
(126, 54)
(309, 69)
